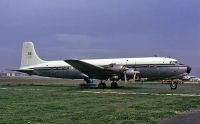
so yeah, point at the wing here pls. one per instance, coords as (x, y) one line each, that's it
(90, 70)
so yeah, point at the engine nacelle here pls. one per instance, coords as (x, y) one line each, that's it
(116, 67)
(131, 73)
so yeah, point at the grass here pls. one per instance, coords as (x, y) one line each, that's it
(55, 101)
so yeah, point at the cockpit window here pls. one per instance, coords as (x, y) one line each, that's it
(174, 62)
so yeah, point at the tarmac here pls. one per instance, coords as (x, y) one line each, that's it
(192, 117)
(134, 93)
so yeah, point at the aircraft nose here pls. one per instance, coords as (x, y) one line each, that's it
(189, 69)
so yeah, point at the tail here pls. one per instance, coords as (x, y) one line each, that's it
(29, 56)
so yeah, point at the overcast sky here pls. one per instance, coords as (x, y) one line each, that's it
(81, 29)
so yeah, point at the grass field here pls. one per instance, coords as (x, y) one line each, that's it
(62, 101)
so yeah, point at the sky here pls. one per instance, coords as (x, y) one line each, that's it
(85, 29)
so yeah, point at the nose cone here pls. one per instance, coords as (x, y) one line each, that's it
(189, 69)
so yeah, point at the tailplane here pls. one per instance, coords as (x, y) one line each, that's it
(29, 56)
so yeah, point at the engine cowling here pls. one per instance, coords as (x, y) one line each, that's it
(117, 67)
(124, 72)
(131, 73)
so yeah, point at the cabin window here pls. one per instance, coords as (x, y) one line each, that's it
(71, 68)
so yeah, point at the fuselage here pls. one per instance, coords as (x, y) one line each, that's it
(152, 68)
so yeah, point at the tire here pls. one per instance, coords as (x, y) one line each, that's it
(173, 86)
(114, 85)
(102, 85)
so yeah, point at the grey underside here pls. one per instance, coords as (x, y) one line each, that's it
(152, 73)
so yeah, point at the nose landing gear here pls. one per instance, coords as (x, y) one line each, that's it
(173, 83)
(173, 86)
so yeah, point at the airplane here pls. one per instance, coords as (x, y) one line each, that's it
(114, 69)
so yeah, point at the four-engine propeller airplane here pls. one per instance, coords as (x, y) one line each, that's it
(115, 69)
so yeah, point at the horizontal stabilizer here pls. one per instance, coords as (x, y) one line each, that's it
(27, 71)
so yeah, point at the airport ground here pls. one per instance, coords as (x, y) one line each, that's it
(44, 100)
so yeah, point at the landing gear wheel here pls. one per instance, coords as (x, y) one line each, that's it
(114, 85)
(173, 86)
(102, 85)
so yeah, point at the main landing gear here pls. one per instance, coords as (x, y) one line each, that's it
(102, 85)
(114, 85)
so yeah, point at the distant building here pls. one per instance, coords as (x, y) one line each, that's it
(12, 74)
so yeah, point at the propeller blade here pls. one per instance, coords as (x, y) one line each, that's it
(125, 77)
(134, 77)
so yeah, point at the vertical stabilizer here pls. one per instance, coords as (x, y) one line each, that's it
(29, 56)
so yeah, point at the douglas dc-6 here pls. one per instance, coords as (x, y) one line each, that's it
(114, 69)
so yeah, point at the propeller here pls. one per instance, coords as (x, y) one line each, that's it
(125, 77)
(134, 77)
(125, 74)
(130, 72)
